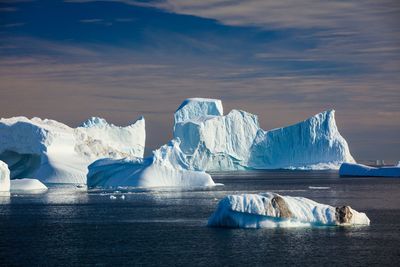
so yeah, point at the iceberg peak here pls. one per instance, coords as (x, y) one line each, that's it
(193, 108)
(94, 121)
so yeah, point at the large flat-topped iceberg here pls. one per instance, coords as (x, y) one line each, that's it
(56, 153)
(164, 169)
(311, 144)
(4, 178)
(351, 169)
(270, 210)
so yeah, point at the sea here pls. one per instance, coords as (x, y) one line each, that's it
(71, 226)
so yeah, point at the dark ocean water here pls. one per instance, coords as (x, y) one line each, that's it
(68, 226)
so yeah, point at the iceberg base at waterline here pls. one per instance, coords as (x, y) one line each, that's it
(108, 173)
(27, 185)
(352, 169)
(270, 210)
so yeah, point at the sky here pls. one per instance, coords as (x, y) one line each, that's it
(282, 60)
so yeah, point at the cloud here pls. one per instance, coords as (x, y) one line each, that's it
(12, 25)
(283, 61)
(91, 20)
(8, 9)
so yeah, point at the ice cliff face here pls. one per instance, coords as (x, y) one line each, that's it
(56, 153)
(272, 210)
(218, 142)
(311, 144)
(4, 178)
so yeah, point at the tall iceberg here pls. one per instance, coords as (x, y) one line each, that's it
(270, 210)
(211, 141)
(56, 153)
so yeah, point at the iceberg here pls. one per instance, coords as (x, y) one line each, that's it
(27, 185)
(164, 169)
(211, 141)
(4, 178)
(204, 139)
(352, 169)
(269, 210)
(56, 153)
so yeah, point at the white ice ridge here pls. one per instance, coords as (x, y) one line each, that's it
(269, 210)
(351, 169)
(165, 168)
(4, 177)
(56, 153)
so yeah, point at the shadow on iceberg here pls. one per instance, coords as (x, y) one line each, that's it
(270, 210)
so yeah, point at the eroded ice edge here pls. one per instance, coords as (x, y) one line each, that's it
(270, 210)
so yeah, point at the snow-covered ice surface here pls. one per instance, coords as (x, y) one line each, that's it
(164, 169)
(4, 178)
(352, 169)
(207, 140)
(270, 210)
(27, 185)
(56, 153)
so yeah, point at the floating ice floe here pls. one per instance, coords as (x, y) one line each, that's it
(270, 210)
(351, 169)
(56, 153)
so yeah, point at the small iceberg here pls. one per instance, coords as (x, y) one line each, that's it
(352, 169)
(27, 186)
(270, 210)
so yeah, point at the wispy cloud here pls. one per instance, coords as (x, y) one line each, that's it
(8, 9)
(12, 25)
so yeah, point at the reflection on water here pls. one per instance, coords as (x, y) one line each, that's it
(69, 226)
